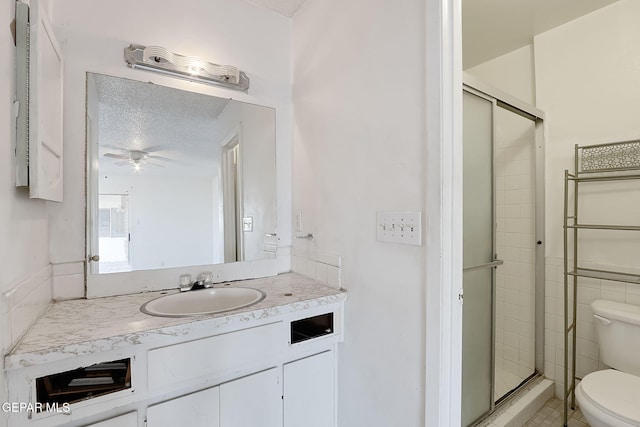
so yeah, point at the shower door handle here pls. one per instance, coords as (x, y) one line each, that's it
(491, 264)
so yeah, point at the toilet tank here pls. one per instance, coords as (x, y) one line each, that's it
(617, 328)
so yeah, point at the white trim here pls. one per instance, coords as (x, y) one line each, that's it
(92, 245)
(235, 133)
(443, 360)
(234, 209)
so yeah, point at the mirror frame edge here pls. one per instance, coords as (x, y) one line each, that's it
(104, 285)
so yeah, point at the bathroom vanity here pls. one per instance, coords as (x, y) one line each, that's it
(270, 364)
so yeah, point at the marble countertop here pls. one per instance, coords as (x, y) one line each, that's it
(80, 327)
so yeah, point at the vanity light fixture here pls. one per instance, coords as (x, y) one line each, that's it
(160, 60)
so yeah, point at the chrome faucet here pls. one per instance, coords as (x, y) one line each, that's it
(205, 280)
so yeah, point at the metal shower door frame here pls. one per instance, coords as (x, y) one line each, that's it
(501, 99)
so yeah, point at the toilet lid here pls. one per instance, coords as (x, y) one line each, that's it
(614, 392)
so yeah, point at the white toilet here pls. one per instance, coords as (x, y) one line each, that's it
(611, 398)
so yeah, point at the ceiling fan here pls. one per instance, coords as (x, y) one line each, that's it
(136, 157)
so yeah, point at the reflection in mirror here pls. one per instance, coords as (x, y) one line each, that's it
(176, 178)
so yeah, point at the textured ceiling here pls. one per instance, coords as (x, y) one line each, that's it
(491, 28)
(284, 7)
(178, 126)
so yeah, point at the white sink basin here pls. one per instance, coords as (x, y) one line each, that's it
(204, 301)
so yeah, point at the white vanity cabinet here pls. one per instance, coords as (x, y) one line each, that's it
(309, 391)
(254, 400)
(199, 409)
(272, 367)
(126, 420)
(214, 357)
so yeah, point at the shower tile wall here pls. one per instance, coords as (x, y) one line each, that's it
(515, 245)
(589, 290)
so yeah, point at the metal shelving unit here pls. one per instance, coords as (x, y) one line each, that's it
(619, 161)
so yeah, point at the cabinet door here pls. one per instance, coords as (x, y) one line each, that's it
(255, 400)
(45, 109)
(126, 420)
(200, 409)
(309, 391)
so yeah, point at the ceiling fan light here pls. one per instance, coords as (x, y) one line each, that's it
(137, 155)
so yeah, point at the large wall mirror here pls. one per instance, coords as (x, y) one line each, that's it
(176, 178)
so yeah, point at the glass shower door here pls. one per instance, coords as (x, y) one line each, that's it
(515, 174)
(478, 258)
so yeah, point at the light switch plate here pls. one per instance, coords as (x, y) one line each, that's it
(400, 227)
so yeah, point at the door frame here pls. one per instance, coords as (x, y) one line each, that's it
(92, 245)
(443, 208)
(233, 143)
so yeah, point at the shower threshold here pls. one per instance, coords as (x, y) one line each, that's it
(519, 387)
(510, 398)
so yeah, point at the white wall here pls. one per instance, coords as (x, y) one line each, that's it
(25, 272)
(216, 30)
(359, 131)
(155, 240)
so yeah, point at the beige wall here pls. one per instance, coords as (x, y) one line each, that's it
(513, 73)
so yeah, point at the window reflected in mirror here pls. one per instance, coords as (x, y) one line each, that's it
(113, 232)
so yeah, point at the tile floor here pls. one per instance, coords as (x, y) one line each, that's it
(550, 415)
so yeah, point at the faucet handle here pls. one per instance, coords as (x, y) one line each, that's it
(207, 279)
(185, 282)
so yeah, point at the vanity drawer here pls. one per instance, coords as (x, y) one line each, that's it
(213, 357)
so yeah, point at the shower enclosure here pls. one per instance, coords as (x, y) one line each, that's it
(503, 254)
